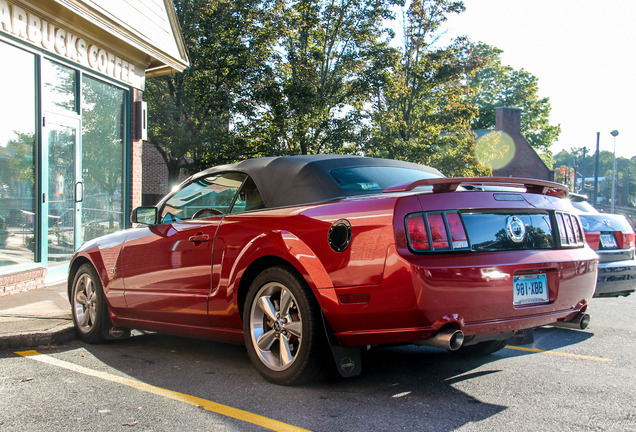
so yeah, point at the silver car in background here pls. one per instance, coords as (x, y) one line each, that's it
(612, 237)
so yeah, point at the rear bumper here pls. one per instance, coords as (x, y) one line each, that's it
(500, 329)
(616, 278)
(419, 295)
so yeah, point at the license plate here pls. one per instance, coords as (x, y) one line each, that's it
(608, 241)
(530, 289)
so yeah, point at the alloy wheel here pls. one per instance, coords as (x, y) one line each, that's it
(86, 303)
(276, 326)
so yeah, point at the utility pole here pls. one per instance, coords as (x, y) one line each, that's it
(614, 134)
(583, 173)
(595, 192)
(629, 180)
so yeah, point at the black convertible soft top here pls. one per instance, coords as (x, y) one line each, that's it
(294, 180)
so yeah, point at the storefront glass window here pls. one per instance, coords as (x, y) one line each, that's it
(103, 137)
(17, 142)
(61, 140)
(59, 86)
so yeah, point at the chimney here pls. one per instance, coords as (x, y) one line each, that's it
(508, 120)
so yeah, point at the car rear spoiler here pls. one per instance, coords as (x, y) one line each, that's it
(450, 184)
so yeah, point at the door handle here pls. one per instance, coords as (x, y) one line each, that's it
(199, 237)
(79, 192)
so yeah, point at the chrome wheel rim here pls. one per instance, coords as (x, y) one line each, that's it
(276, 326)
(85, 303)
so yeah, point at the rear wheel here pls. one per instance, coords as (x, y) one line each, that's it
(283, 329)
(481, 348)
(89, 305)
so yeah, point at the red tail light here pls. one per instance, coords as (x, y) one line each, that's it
(578, 236)
(625, 240)
(418, 238)
(593, 239)
(458, 233)
(436, 231)
(570, 230)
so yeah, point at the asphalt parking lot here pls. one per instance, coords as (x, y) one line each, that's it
(568, 380)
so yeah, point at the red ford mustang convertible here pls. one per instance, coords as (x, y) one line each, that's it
(307, 259)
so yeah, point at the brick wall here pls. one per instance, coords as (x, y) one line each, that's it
(155, 172)
(155, 175)
(526, 162)
(14, 283)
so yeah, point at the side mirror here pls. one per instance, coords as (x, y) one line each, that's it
(144, 215)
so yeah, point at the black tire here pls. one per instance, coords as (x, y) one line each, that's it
(481, 348)
(90, 313)
(284, 333)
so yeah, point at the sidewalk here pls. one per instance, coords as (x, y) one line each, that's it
(36, 318)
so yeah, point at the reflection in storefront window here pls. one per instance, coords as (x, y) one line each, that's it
(59, 86)
(17, 141)
(103, 137)
(61, 238)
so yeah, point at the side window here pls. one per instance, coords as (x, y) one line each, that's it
(204, 197)
(249, 198)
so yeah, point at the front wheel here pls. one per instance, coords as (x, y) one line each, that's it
(284, 335)
(89, 305)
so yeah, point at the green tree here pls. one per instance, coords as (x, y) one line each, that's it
(195, 116)
(420, 110)
(625, 173)
(314, 103)
(497, 85)
(102, 153)
(20, 163)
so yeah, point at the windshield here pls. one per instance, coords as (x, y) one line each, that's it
(376, 178)
(203, 197)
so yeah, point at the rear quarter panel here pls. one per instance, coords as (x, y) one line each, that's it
(299, 236)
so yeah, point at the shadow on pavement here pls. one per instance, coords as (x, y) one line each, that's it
(401, 388)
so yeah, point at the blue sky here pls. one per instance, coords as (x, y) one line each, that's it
(582, 53)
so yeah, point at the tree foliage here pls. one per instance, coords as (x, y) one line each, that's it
(326, 48)
(420, 111)
(569, 168)
(193, 113)
(496, 85)
(280, 77)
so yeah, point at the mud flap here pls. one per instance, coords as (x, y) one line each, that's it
(347, 359)
(109, 332)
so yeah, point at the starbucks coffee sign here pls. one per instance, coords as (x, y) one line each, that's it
(38, 32)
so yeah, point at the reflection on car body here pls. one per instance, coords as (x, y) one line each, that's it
(306, 259)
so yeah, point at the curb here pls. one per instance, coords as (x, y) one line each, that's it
(58, 334)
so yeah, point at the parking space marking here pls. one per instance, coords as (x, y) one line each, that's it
(205, 404)
(562, 354)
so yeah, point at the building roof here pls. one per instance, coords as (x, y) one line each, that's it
(149, 26)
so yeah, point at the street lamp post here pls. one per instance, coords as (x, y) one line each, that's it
(614, 134)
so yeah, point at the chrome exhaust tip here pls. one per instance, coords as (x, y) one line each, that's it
(580, 322)
(448, 339)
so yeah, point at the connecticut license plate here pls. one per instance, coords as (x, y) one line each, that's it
(608, 241)
(530, 289)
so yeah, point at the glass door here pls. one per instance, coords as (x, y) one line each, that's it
(63, 198)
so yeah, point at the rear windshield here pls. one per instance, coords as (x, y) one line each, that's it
(584, 206)
(376, 178)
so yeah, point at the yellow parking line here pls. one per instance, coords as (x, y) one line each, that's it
(205, 404)
(556, 353)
